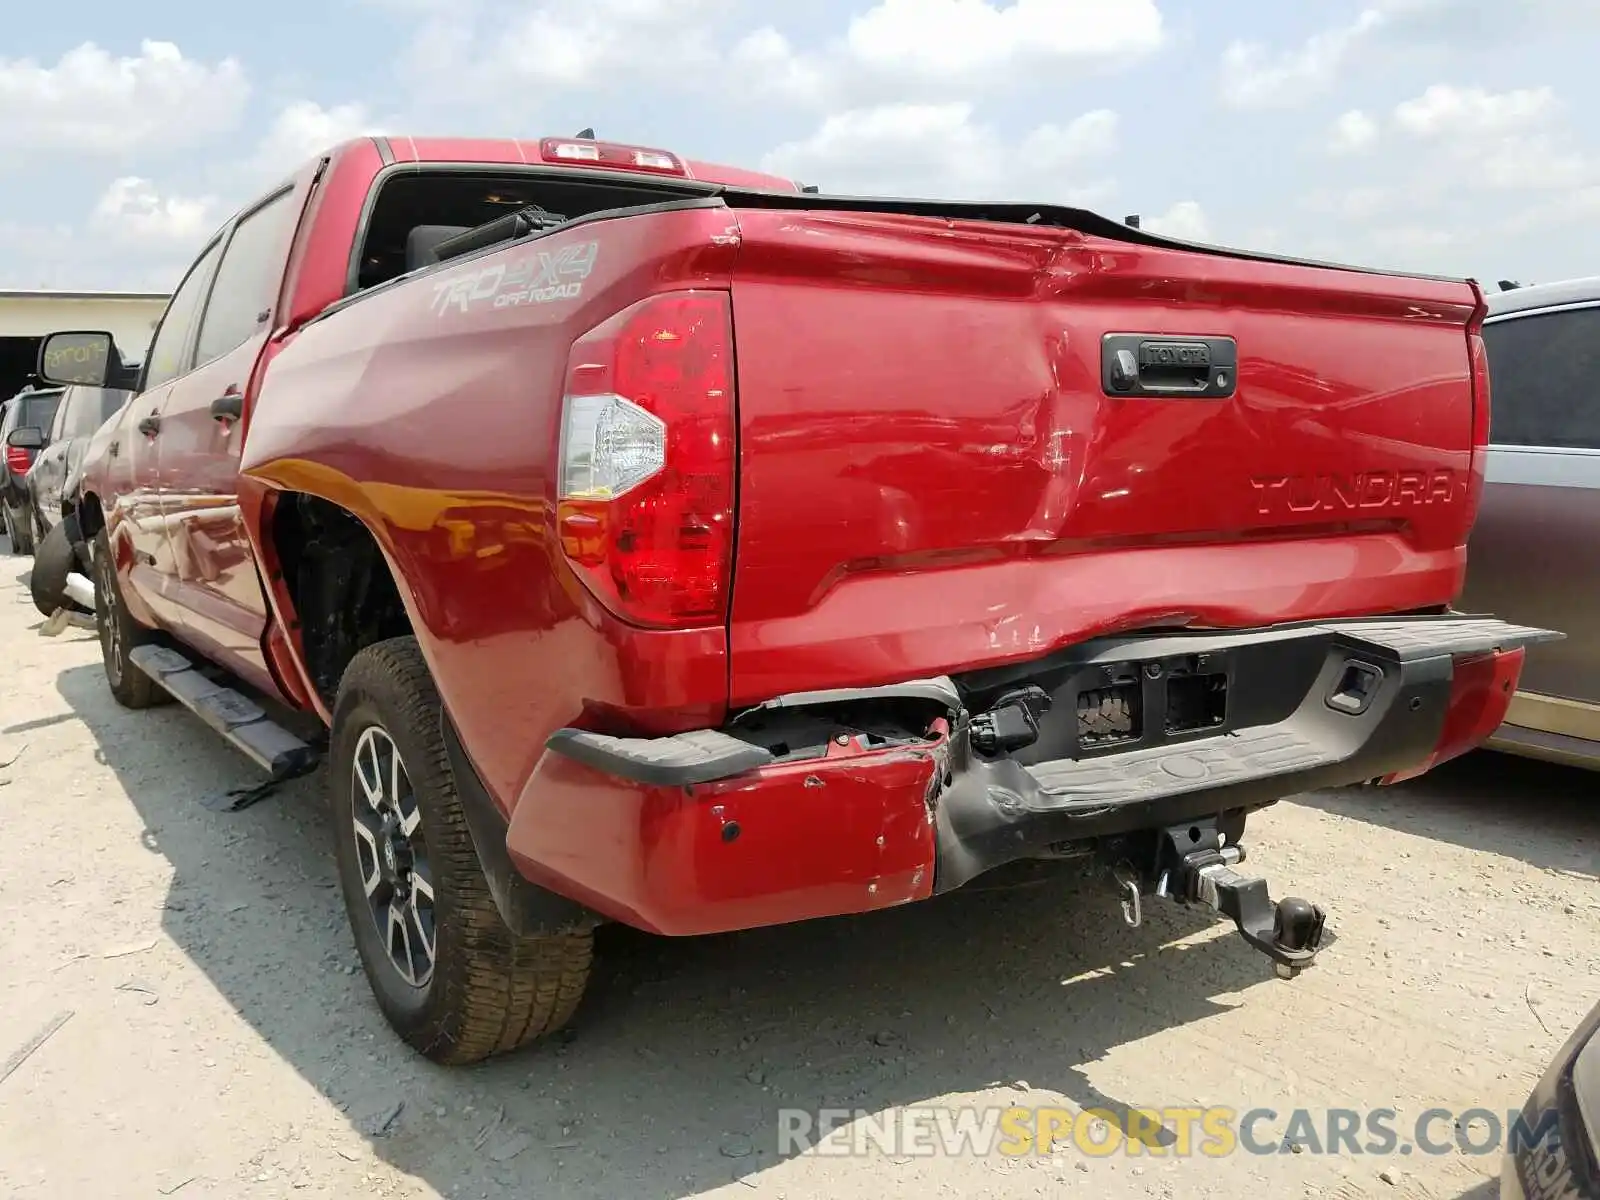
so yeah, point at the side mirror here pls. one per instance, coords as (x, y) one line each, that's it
(26, 437)
(82, 359)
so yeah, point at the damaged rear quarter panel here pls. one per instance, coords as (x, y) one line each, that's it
(430, 409)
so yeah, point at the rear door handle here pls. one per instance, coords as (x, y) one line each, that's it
(151, 425)
(1162, 365)
(227, 407)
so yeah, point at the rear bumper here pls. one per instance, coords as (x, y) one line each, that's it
(732, 829)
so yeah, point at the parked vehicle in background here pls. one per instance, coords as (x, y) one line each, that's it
(1553, 1152)
(659, 543)
(53, 488)
(1534, 554)
(23, 433)
(54, 474)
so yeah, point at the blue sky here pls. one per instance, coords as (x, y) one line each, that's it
(1438, 135)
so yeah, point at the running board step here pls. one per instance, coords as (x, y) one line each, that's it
(234, 715)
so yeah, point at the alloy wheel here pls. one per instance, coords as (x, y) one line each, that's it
(392, 855)
(110, 628)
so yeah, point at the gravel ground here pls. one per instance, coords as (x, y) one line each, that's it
(222, 1041)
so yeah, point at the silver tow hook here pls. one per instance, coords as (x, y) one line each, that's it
(1128, 884)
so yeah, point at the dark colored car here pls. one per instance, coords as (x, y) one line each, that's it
(1555, 1151)
(23, 428)
(55, 468)
(1534, 555)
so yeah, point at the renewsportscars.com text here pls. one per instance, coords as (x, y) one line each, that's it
(1158, 1132)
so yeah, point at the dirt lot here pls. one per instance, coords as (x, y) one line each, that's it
(222, 1041)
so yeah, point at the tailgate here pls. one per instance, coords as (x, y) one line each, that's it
(964, 443)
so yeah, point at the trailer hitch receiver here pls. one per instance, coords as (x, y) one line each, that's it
(1197, 868)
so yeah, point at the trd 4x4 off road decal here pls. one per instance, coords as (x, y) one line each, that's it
(537, 278)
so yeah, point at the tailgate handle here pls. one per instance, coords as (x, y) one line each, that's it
(1162, 365)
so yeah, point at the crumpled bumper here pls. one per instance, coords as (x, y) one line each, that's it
(722, 829)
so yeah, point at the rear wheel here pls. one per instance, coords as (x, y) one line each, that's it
(449, 976)
(53, 561)
(119, 634)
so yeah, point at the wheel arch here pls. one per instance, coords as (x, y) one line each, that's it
(336, 583)
(90, 514)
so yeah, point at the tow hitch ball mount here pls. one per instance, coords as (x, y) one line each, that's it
(1193, 865)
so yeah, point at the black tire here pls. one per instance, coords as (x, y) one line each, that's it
(486, 991)
(53, 561)
(17, 533)
(119, 634)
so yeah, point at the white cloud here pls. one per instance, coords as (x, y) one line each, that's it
(894, 149)
(132, 210)
(92, 103)
(1502, 141)
(133, 238)
(932, 46)
(769, 64)
(580, 44)
(940, 151)
(1255, 77)
(1353, 133)
(1453, 24)
(303, 129)
(1543, 163)
(474, 50)
(946, 98)
(1460, 186)
(1091, 135)
(945, 38)
(140, 235)
(1184, 220)
(470, 51)
(1445, 110)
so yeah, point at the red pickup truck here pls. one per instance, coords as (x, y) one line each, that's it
(667, 544)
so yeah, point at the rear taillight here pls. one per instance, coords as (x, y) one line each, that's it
(19, 460)
(646, 494)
